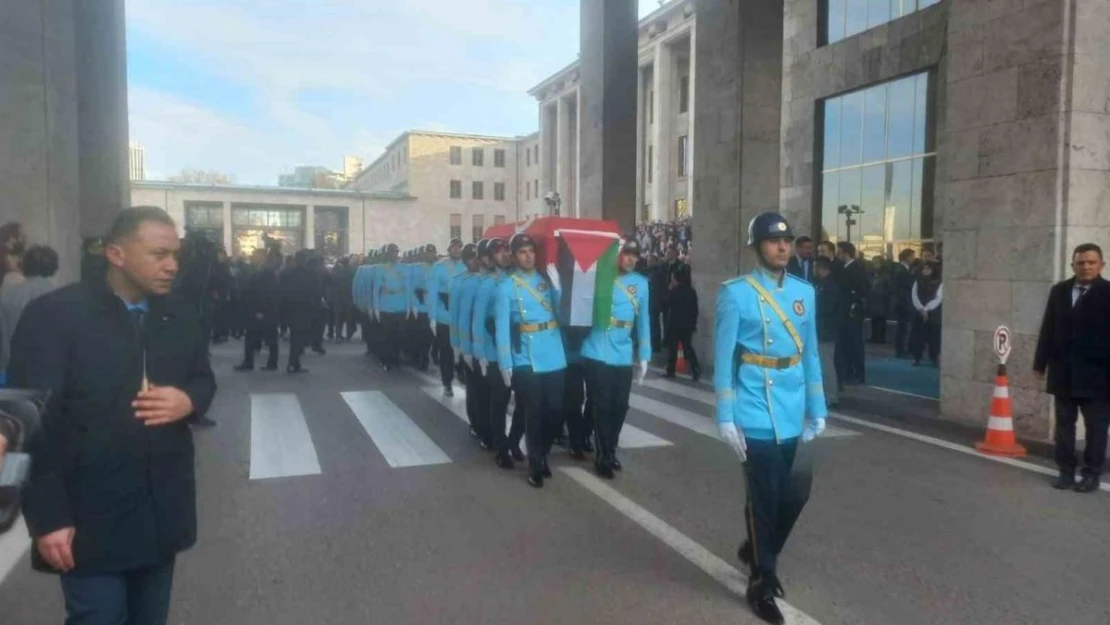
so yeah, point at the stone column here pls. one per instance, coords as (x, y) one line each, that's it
(609, 42)
(641, 143)
(228, 228)
(1025, 164)
(736, 169)
(101, 59)
(548, 151)
(690, 117)
(663, 84)
(562, 157)
(310, 227)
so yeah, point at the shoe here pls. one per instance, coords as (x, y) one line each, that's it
(697, 375)
(448, 391)
(244, 367)
(577, 454)
(546, 470)
(588, 446)
(517, 455)
(295, 370)
(761, 597)
(320, 350)
(1088, 484)
(604, 469)
(1066, 481)
(270, 368)
(744, 553)
(204, 422)
(669, 376)
(617, 466)
(535, 480)
(504, 461)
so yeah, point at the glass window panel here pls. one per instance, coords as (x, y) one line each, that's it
(900, 120)
(872, 201)
(898, 8)
(921, 4)
(851, 122)
(878, 12)
(920, 105)
(856, 20)
(900, 204)
(849, 201)
(836, 21)
(874, 123)
(832, 134)
(917, 171)
(831, 223)
(240, 217)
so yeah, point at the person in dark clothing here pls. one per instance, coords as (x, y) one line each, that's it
(340, 303)
(903, 310)
(829, 312)
(111, 499)
(262, 297)
(682, 322)
(320, 309)
(879, 301)
(221, 292)
(855, 286)
(1073, 349)
(927, 296)
(302, 292)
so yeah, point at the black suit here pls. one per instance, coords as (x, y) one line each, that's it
(855, 286)
(262, 297)
(1074, 348)
(800, 268)
(903, 306)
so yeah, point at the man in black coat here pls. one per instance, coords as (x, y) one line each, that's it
(903, 306)
(262, 298)
(855, 286)
(111, 499)
(682, 322)
(302, 300)
(801, 263)
(1074, 350)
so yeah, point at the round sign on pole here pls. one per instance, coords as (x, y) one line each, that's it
(1002, 343)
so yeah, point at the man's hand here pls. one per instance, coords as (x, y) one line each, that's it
(57, 549)
(161, 405)
(378, 316)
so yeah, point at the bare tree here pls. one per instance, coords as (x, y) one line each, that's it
(201, 176)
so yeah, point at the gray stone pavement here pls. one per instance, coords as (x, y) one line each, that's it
(897, 531)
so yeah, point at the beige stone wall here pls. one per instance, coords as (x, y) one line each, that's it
(530, 173)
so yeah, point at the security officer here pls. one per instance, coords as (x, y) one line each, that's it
(530, 352)
(439, 296)
(496, 392)
(769, 396)
(479, 363)
(609, 358)
(362, 293)
(477, 399)
(421, 337)
(390, 306)
(461, 286)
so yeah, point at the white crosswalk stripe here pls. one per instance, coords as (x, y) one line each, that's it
(398, 438)
(280, 443)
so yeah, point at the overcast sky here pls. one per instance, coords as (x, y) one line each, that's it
(252, 88)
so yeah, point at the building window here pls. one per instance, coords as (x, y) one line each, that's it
(477, 157)
(684, 94)
(331, 231)
(206, 218)
(527, 190)
(844, 18)
(499, 191)
(456, 189)
(477, 190)
(456, 226)
(456, 155)
(680, 209)
(651, 106)
(650, 162)
(283, 223)
(528, 157)
(499, 158)
(536, 158)
(498, 220)
(683, 156)
(478, 228)
(536, 189)
(877, 166)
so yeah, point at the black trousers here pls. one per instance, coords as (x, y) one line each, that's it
(580, 424)
(542, 396)
(1096, 418)
(778, 489)
(498, 406)
(656, 328)
(391, 335)
(420, 339)
(674, 337)
(446, 353)
(139, 597)
(520, 422)
(878, 329)
(470, 380)
(367, 322)
(481, 392)
(925, 334)
(299, 330)
(319, 322)
(608, 387)
(901, 333)
(256, 335)
(849, 355)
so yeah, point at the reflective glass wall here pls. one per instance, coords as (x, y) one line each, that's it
(843, 18)
(877, 166)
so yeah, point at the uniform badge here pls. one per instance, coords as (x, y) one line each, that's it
(799, 307)
(632, 289)
(542, 287)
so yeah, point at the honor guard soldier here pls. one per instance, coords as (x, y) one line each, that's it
(460, 334)
(530, 352)
(439, 298)
(390, 306)
(609, 358)
(420, 339)
(476, 404)
(362, 293)
(769, 397)
(495, 399)
(479, 363)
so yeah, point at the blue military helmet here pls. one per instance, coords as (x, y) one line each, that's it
(768, 225)
(631, 246)
(483, 247)
(495, 244)
(519, 241)
(469, 251)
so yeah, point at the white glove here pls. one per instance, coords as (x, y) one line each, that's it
(734, 436)
(483, 364)
(410, 313)
(812, 430)
(432, 324)
(507, 377)
(643, 370)
(378, 316)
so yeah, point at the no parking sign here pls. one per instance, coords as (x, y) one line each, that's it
(1002, 343)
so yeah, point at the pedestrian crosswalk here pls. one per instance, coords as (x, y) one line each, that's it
(281, 444)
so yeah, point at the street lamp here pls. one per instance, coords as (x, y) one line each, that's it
(849, 211)
(553, 202)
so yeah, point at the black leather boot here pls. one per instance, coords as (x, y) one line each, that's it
(762, 591)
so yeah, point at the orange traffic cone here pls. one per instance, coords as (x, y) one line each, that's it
(680, 364)
(1000, 427)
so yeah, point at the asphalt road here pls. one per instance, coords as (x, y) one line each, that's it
(374, 506)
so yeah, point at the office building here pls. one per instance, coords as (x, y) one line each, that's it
(136, 161)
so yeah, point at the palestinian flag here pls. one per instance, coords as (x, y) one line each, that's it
(584, 268)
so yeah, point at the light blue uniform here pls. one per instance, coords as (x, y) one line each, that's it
(463, 310)
(484, 344)
(527, 300)
(610, 340)
(768, 403)
(390, 289)
(362, 288)
(418, 280)
(440, 281)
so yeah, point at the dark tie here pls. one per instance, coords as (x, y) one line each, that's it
(136, 318)
(1082, 292)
